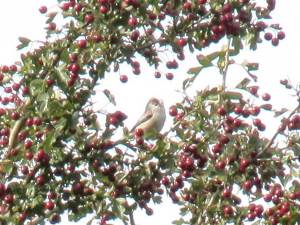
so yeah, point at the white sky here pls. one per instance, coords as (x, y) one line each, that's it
(22, 18)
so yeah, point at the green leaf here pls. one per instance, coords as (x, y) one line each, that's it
(50, 139)
(243, 84)
(62, 78)
(206, 61)
(43, 99)
(55, 108)
(178, 222)
(195, 70)
(233, 95)
(237, 46)
(36, 87)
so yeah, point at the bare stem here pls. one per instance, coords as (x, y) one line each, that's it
(268, 145)
(131, 218)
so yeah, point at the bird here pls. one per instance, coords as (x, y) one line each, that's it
(153, 118)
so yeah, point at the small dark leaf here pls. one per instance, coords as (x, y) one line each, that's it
(280, 112)
(110, 97)
(243, 84)
(250, 66)
(188, 82)
(24, 43)
(24, 40)
(266, 107)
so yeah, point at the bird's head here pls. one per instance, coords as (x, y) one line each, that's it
(154, 104)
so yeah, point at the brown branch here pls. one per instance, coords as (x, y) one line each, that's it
(271, 141)
(131, 218)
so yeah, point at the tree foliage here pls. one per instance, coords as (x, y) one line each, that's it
(214, 162)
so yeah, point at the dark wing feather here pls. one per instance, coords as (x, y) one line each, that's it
(141, 120)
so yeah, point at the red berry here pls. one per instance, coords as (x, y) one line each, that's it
(255, 110)
(238, 110)
(22, 217)
(13, 68)
(173, 110)
(221, 111)
(280, 35)
(37, 121)
(217, 148)
(220, 164)
(135, 35)
(139, 140)
(82, 43)
(103, 9)
(43, 9)
(266, 97)
(226, 192)
(257, 122)
(97, 38)
(132, 21)
(247, 185)
(52, 26)
(244, 162)
(78, 7)
(2, 189)
(40, 180)
(253, 90)
(275, 41)
(228, 210)
(113, 120)
(170, 76)
(139, 132)
(15, 115)
(157, 74)
(165, 181)
(49, 205)
(9, 198)
(123, 78)
(268, 36)
(202, 2)
(181, 42)
(251, 216)
(28, 144)
(89, 18)
(28, 155)
(16, 86)
(259, 210)
(65, 6)
(24, 170)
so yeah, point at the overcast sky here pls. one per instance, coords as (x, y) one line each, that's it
(21, 18)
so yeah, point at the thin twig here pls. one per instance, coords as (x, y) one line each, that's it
(268, 145)
(226, 64)
(131, 218)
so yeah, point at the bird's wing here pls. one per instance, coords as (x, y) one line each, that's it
(144, 117)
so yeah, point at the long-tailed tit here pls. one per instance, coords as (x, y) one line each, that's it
(153, 119)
